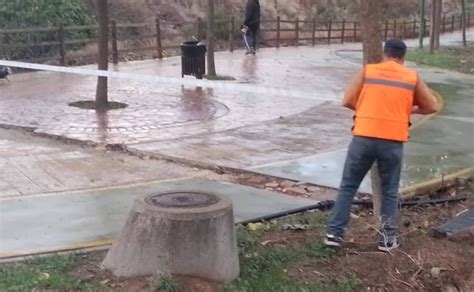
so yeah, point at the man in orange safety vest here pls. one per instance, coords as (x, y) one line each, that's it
(383, 96)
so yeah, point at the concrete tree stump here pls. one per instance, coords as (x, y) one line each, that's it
(181, 233)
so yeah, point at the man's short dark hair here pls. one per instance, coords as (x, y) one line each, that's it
(395, 48)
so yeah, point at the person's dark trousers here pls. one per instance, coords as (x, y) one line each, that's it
(252, 35)
(362, 153)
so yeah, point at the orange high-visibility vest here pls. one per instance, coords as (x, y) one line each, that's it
(385, 103)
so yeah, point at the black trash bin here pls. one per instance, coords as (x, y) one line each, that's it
(193, 59)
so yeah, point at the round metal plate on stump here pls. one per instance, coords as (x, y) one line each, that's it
(182, 200)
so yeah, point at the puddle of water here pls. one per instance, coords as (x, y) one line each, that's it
(443, 146)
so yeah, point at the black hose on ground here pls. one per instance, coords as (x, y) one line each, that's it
(327, 205)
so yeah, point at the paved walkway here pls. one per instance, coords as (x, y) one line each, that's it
(301, 139)
(81, 219)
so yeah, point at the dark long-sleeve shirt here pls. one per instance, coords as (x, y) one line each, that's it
(252, 13)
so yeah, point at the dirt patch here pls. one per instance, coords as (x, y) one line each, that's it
(422, 264)
(287, 187)
(91, 105)
(91, 270)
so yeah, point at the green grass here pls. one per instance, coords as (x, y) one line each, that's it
(453, 58)
(48, 273)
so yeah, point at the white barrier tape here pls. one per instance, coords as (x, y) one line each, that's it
(224, 85)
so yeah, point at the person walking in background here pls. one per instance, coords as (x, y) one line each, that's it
(383, 97)
(251, 25)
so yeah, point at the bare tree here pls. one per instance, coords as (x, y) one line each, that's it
(464, 24)
(101, 98)
(372, 41)
(211, 65)
(436, 11)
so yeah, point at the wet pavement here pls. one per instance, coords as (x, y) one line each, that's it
(296, 138)
(93, 218)
(155, 112)
(442, 146)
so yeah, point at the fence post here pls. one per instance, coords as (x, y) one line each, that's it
(444, 24)
(297, 28)
(414, 28)
(231, 33)
(355, 31)
(114, 42)
(3, 54)
(386, 30)
(404, 29)
(343, 30)
(313, 34)
(62, 46)
(460, 22)
(329, 31)
(199, 29)
(159, 46)
(394, 28)
(452, 23)
(424, 27)
(278, 32)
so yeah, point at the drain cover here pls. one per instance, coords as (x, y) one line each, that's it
(182, 200)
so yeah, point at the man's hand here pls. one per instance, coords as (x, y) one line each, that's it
(353, 90)
(244, 29)
(425, 103)
(420, 111)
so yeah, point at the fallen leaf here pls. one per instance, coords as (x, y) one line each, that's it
(43, 276)
(104, 282)
(258, 226)
(295, 226)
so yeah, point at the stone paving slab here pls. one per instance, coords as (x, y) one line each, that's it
(31, 165)
(323, 169)
(321, 129)
(53, 222)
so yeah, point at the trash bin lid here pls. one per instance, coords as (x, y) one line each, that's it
(190, 43)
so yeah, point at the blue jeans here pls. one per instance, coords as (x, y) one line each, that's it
(251, 36)
(362, 153)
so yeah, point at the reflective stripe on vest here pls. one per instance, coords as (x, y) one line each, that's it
(390, 83)
(385, 103)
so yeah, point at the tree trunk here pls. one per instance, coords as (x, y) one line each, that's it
(439, 12)
(211, 66)
(371, 27)
(436, 11)
(101, 98)
(464, 24)
(421, 35)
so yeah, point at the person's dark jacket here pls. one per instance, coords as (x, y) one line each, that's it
(252, 13)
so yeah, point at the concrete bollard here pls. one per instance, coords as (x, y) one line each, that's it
(181, 233)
